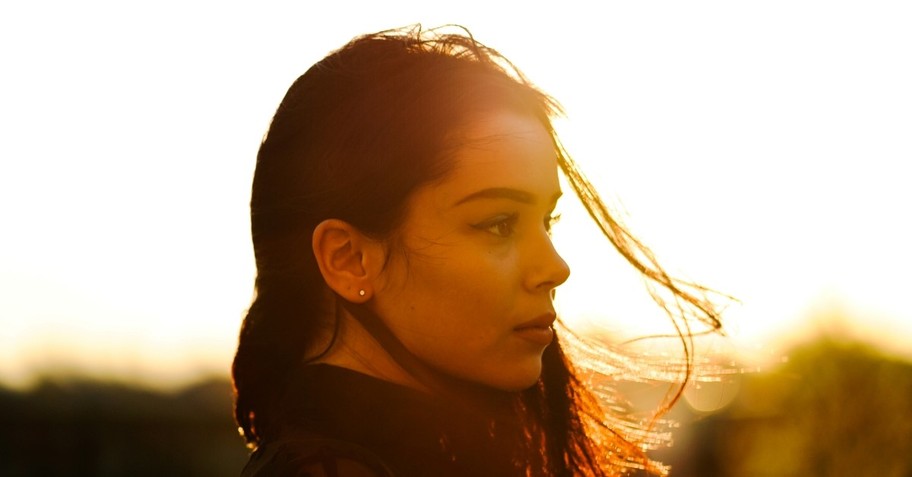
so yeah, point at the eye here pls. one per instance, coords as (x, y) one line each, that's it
(502, 226)
(550, 220)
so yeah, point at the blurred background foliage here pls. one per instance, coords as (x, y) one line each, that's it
(88, 428)
(834, 408)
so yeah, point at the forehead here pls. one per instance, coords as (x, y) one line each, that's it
(503, 150)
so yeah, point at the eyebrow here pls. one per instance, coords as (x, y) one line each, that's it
(504, 193)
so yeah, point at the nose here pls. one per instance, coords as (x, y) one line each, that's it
(548, 270)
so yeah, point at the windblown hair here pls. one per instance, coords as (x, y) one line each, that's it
(352, 140)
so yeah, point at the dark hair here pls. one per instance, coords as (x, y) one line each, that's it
(352, 139)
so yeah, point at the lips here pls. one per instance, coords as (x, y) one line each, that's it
(538, 330)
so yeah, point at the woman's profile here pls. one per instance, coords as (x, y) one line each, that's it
(403, 322)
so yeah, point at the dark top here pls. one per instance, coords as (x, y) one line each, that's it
(340, 423)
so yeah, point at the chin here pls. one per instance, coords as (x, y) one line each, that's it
(519, 379)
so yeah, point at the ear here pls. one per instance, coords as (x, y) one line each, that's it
(347, 259)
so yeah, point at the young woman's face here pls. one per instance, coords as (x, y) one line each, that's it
(472, 293)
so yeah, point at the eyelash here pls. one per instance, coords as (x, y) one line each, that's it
(501, 226)
(504, 225)
(551, 220)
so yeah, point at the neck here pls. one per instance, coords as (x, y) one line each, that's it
(365, 344)
(357, 349)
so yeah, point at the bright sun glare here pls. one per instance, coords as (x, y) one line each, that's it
(756, 148)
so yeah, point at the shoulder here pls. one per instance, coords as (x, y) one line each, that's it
(314, 457)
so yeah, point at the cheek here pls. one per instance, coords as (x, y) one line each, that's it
(457, 314)
(467, 290)
(473, 274)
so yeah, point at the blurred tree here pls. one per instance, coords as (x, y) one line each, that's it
(82, 428)
(834, 409)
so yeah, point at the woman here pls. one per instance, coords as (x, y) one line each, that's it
(403, 318)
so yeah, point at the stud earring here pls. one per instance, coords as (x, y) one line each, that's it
(362, 292)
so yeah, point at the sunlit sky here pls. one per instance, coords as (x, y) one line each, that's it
(758, 147)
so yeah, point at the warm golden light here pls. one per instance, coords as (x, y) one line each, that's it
(758, 149)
